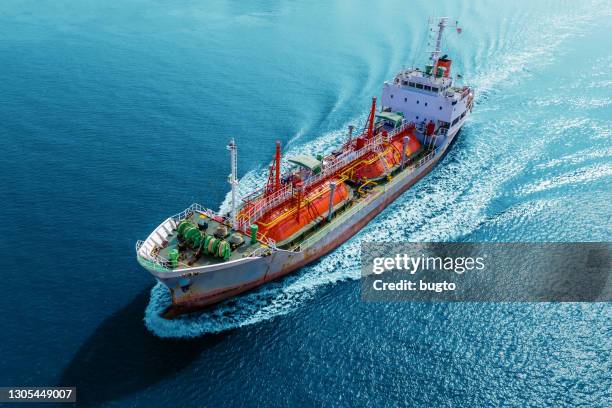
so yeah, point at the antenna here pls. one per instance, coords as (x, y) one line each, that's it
(233, 179)
(277, 165)
(435, 54)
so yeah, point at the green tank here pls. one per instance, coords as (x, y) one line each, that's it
(173, 257)
(205, 243)
(192, 235)
(211, 246)
(227, 250)
(224, 250)
(184, 225)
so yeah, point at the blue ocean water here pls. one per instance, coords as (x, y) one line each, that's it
(115, 115)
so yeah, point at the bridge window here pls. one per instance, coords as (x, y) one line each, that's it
(434, 89)
(427, 87)
(419, 86)
(412, 84)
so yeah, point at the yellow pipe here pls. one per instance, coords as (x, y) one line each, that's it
(365, 184)
(370, 161)
(343, 177)
(293, 209)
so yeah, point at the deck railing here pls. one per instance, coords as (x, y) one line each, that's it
(359, 205)
(165, 264)
(315, 237)
(195, 207)
(157, 259)
(332, 166)
(149, 245)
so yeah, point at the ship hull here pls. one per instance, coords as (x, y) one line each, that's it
(196, 288)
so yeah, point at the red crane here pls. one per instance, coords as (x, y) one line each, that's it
(371, 117)
(275, 168)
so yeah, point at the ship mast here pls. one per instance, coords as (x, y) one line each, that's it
(233, 179)
(435, 54)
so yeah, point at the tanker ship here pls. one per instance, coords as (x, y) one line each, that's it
(204, 257)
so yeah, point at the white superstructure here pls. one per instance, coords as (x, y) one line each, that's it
(428, 96)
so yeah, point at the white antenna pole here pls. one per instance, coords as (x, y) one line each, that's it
(435, 54)
(233, 178)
